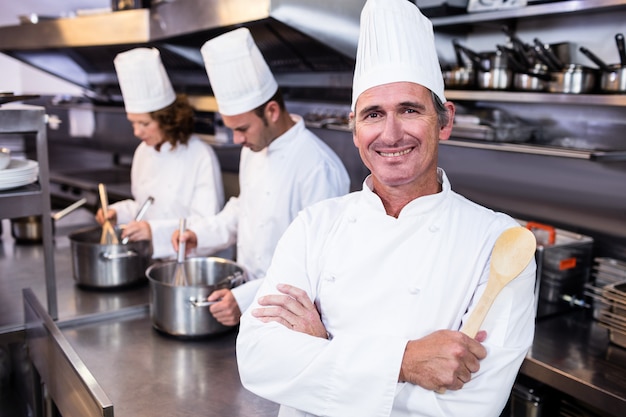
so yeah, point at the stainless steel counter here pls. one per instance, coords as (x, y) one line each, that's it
(22, 266)
(146, 373)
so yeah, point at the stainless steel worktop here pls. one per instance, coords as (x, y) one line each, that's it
(146, 373)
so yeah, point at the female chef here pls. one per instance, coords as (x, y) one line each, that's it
(176, 168)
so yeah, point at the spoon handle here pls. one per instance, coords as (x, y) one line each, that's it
(475, 320)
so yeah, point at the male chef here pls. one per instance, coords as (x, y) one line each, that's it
(283, 168)
(360, 309)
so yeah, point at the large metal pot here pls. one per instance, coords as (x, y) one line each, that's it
(110, 265)
(183, 311)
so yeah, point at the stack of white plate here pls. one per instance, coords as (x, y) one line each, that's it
(19, 172)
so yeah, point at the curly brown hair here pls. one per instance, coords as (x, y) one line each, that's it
(176, 121)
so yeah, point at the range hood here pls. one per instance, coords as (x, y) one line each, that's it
(306, 43)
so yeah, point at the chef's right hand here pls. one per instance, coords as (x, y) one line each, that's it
(189, 237)
(110, 212)
(445, 359)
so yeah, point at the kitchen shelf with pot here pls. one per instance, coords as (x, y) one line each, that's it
(32, 199)
(453, 23)
(614, 100)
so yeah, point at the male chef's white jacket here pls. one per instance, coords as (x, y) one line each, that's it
(185, 181)
(296, 170)
(378, 282)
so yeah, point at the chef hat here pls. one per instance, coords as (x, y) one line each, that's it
(144, 83)
(396, 43)
(240, 78)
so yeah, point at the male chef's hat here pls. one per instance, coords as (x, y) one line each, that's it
(144, 83)
(396, 43)
(240, 78)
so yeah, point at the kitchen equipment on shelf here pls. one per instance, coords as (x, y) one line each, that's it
(573, 79)
(142, 211)
(103, 266)
(463, 74)
(29, 229)
(19, 172)
(491, 124)
(612, 76)
(564, 261)
(182, 311)
(180, 275)
(109, 236)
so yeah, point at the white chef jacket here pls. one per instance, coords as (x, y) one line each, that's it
(378, 282)
(185, 181)
(296, 170)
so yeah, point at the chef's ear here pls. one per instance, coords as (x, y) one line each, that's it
(272, 111)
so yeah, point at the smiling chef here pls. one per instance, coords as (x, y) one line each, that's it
(360, 310)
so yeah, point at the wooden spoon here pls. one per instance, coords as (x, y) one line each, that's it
(512, 252)
(510, 255)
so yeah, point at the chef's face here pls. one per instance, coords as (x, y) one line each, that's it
(146, 128)
(397, 131)
(250, 130)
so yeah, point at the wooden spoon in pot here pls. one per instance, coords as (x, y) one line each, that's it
(512, 252)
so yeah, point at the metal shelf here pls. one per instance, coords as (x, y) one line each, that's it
(32, 199)
(616, 100)
(539, 150)
(560, 8)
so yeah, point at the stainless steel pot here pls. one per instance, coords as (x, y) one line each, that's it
(495, 79)
(107, 266)
(29, 229)
(614, 80)
(574, 79)
(183, 311)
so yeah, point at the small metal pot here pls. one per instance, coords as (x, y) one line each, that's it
(495, 79)
(535, 79)
(459, 77)
(614, 81)
(29, 229)
(574, 79)
(97, 265)
(182, 311)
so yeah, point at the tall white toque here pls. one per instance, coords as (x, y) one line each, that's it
(240, 78)
(396, 43)
(144, 83)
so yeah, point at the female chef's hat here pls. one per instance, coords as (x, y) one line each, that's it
(144, 83)
(240, 78)
(396, 43)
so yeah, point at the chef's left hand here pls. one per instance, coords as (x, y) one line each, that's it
(137, 231)
(293, 310)
(225, 310)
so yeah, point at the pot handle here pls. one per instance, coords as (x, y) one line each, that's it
(199, 303)
(113, 256)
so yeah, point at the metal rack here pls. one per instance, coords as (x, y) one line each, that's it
(32, 199)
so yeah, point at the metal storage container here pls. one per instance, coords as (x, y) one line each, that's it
(564, 262)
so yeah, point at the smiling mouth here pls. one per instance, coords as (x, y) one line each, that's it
(399, 153)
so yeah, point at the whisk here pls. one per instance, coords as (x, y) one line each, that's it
(108, 237)
(180, 276)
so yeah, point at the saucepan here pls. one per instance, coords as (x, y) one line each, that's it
(573, 79)
(28, 229)
(183, 310)
(492, 70)
(105, 266)
(462, 75)
(613, 77)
